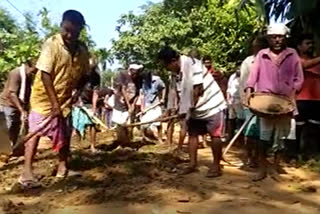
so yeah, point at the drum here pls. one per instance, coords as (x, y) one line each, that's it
(271, 105)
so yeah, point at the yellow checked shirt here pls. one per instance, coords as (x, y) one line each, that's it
(66, 71)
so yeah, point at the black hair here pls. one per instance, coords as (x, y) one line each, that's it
(303, 37)
(167, 55)
(147, 76)
(206, 57)
(75, 17)
(32, 61)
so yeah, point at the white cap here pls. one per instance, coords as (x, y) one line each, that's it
(135, 66)
(277, 29)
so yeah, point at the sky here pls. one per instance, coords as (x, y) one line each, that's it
(100, 15)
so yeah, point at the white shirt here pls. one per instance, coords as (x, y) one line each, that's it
(244, 73)
(234, 89)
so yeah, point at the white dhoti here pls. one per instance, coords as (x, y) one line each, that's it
(292, 133)
(120, 117)
(152, 114)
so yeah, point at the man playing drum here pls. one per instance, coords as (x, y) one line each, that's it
(276, 70)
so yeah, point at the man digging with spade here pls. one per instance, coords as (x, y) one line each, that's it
(62, 64)
(152, 97)
(127, 85)
(201, 103)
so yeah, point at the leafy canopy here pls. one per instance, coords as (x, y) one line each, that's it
(17, 43)
(302, 16)
(209, 25)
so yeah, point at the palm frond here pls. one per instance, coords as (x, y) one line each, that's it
(258, 4)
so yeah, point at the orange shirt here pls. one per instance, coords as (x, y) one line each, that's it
(311, 85)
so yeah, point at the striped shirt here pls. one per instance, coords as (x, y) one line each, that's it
(212, 101)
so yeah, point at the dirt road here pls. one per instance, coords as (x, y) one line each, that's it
(147, 181)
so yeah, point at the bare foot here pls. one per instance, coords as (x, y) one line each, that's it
(274, 173)
(251, 163)
(178, 153)
(261, 174)
(161, 141)
(281, 170)
(62, 171)
(188, 170)
(95, 151)
(214, 171)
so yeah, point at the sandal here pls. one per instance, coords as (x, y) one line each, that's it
(29, 184)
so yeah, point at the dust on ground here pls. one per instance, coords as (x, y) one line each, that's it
(126, 180)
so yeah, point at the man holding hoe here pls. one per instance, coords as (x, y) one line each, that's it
(201, 104)
(62, 64)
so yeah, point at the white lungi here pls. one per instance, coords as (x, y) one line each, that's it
(152, 114)
(120, 117)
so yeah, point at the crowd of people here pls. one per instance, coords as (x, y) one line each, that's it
(66, 97)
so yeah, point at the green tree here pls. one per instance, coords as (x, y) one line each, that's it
(103, 56)
(302, 15)
(7, 22)
(48, 27)
(18, 44)
(209, 25)
(108, 77)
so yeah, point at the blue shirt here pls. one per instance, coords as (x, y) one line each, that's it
(152, 89)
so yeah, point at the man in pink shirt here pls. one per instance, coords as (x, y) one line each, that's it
(308, 99)
(276, 70)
